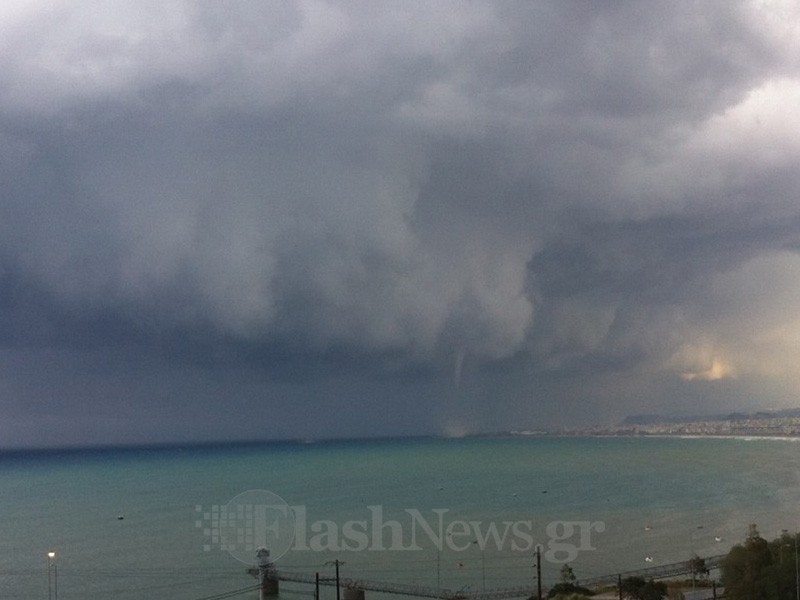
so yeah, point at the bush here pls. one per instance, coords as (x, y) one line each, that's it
(636, 588)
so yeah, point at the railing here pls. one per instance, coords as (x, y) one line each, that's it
(659, 572)
(422, 591)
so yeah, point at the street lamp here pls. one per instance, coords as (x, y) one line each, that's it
(52, 568)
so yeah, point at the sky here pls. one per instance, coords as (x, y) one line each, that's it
(321, 219)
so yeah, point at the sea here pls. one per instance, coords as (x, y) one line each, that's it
(464, 514)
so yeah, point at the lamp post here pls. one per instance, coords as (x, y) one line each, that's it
(52, 569)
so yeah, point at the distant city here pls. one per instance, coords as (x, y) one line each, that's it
(779, 423)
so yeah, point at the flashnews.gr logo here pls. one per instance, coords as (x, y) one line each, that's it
(261, 519)
(254, 519)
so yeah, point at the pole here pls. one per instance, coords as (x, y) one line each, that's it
(796, 570)
(714, 589)
(539, 571)
(316, 586)
(336, 562)
(337, 579)
(619, 585)
(50, 564)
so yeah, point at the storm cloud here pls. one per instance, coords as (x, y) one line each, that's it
(320, 219)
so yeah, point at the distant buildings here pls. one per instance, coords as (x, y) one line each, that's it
(738, 425)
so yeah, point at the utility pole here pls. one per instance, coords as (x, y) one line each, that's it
(337, 579)
(619, 586)
(539, 571)
(316, 586)
(796, 570)
(336, 562)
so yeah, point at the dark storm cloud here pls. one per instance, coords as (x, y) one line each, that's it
(547, 205)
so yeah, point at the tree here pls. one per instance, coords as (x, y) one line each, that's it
(567, 574)
(745, 568)
(761, 570)
(568, 587)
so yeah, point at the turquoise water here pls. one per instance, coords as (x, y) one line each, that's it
(633, 497)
